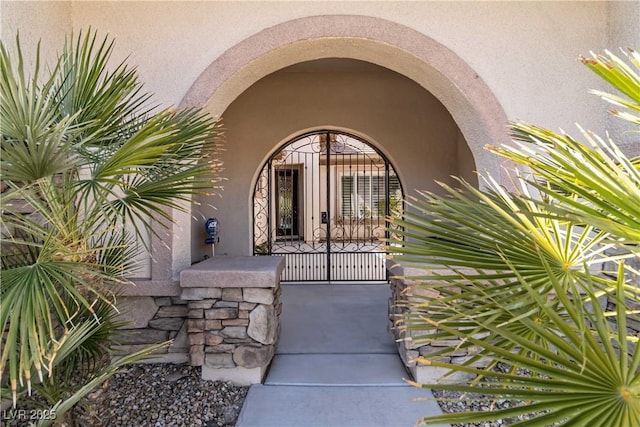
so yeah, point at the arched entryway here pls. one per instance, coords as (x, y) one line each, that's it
(417, 101)
(321, 201)
(244, 86)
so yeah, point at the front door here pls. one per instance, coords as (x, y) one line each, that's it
(321, 201)
(287, 208)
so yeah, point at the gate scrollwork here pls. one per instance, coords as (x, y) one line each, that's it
(321, 201)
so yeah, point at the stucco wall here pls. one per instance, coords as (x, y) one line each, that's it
(47, 22)
(406, 122)
(523, 51)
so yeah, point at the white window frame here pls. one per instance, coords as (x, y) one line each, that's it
(358, 210)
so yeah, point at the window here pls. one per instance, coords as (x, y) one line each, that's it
(363, 195)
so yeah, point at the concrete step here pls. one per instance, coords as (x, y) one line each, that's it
(302, 406)
(337, 370)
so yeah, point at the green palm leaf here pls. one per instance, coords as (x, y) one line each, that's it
(588, 374)
(516, 278)
(87, 163)
(593, 183)
(620, 76)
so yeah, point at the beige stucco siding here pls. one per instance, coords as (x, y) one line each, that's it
(525, 51)
(518, 56)
(47, 22)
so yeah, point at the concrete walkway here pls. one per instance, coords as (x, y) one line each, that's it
(336, 364)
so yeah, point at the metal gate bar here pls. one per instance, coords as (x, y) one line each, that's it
(321, 201)
(346, 267)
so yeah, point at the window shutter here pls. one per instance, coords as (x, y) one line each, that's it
(347, 195)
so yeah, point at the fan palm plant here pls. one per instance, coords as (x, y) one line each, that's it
(86, 165)
(519, 275)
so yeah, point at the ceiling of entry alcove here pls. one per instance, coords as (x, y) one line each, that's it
(349, 66)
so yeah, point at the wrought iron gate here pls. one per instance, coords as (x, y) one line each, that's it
(321, 202)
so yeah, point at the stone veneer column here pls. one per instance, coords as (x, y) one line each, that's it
(233, 316)
(403, 292)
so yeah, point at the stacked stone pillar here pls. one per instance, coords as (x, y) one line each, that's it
(233, 316)
(402, 294)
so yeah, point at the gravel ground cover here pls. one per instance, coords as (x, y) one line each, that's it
(453, 401)
(157, 395)
(174, 395)
(170, 395)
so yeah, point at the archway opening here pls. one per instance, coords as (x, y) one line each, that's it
(322, 201)
(394, 114)
(224, 87)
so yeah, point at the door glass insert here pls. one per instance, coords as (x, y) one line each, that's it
(287, 203)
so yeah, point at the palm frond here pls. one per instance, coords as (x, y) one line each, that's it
(88, 163)
(600, 185)
(36, 138)
(517, 278)
(620, 76)
(475, 231)
(586, 369)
